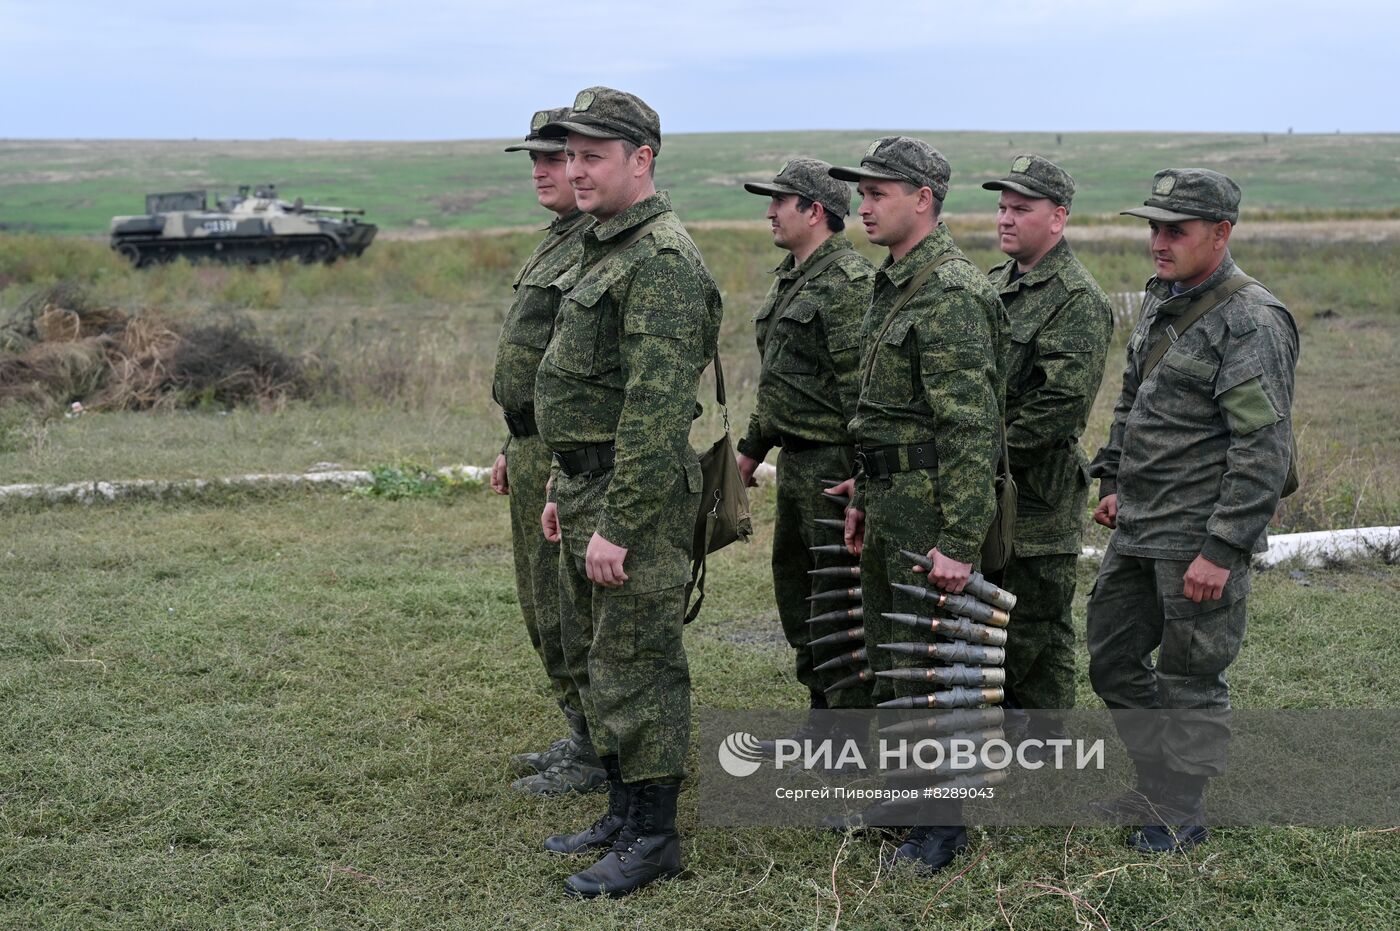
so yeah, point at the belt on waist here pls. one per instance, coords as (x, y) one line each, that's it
(520, 424)
(596, 458)
(884, 461)
(798, 445)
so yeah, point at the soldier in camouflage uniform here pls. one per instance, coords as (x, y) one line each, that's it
(928, 418)
(522, 468)
(1196, 460)
(614, 397)
(808, 331)
(1061, 324)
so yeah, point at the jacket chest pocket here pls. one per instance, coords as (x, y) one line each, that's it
(581, 340)
(1185, 385)
(1020, 372)
(792, 346)
(533, 320)
(890, 374)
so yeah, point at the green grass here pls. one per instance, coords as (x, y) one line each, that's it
(297, 714)
(77, 186)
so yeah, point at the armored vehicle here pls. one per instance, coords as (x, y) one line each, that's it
(253, 226)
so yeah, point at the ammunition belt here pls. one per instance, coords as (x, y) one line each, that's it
(596, 458)
(520, 424)
(884, 461)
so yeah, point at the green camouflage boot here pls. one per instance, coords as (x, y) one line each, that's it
(579, 770)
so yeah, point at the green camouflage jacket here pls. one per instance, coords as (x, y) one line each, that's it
(934, 371)
(634, 332)
(809, 379)
(530, 320)
(1061, 324)
(1198, 452)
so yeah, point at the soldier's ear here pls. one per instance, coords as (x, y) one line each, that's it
(644, 156)
(817, 215)
(1058, 219)
(1222, 232)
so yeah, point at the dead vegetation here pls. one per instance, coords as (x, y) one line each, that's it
(60, 347)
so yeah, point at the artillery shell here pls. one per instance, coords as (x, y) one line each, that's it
(843, 500)
(977, 584)
(832, 549)
(957, 627)
(836, 572)
(865, 675)
(835, 523)
(957, 674)
(951, 652)
(837, 594)
(853, 658)
(951, 698)
(849, 614)
(962, 719)
(841, 636)
(957, 604)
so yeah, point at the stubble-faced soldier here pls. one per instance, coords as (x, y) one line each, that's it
(522, 468)
(1195, 463)
(614, 399)
(1061, 325)
(928, 418)
(808, 331)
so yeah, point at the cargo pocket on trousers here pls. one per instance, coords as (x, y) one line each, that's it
(1203, 639)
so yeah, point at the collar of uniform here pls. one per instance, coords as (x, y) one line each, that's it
(567, 223)
(1048, 267)
(787, 268)
(1175, 303)
(929, 248)
(634, 216)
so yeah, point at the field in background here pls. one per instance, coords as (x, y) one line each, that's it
(77, 186)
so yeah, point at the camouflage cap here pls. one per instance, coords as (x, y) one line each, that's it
(604, 113)
(809, 178)
(534, 142)
(1036, 177)
(900, 158)
(1180, 194)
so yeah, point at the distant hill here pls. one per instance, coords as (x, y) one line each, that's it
(57, 186)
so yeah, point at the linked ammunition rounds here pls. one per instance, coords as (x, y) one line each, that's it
(957, 627)
(832, 549)
(957, 604)
(951, 698)
(841, 636)
(951, 652)
(836, 572)
(850, 614)
(977, 584)
(835, 523)
(865, 675)
(957, 674)
(853, 658)
(837, 594)
(961, 719)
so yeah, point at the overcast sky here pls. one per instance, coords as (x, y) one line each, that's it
(412, 69)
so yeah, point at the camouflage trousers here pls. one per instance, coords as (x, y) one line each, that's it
(800, 503)
(537, 562)
(901, 513)
(623, 645)
(1040, 641)
(1137, 606)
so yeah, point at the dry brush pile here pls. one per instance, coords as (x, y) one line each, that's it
(60, 347)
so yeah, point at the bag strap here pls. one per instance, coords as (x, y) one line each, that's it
(631, 238)
(1201, 306)
(790, 295)
(906, 294)
(539, 256)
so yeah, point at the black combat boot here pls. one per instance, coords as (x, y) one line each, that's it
(1181, 811)
(600, 833)
(930, 848)
(645, 850)
(1137, 805)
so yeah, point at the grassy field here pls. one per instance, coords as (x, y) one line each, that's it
(297, 714)
(77, 186)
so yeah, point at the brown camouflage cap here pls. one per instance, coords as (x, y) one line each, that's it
(604, 113)
(809, 178)
(1036, 177)
(1180, 194)
(534, 142)
(900, 158)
